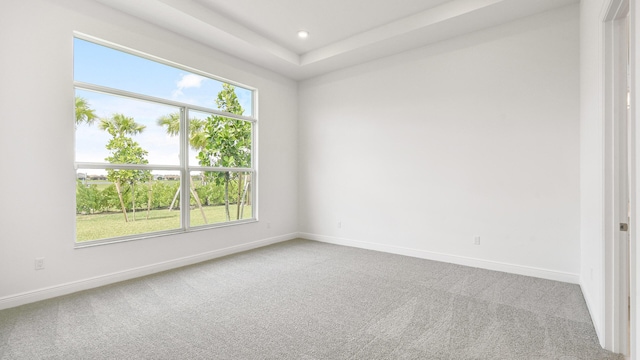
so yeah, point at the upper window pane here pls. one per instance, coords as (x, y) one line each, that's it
(126, 131)
(219, 141)
(128, 72)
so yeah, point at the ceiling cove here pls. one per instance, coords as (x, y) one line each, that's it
(342, 33)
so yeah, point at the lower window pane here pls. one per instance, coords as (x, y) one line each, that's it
(114, 203)
(218, 197)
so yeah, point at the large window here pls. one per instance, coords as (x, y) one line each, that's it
(159, 148)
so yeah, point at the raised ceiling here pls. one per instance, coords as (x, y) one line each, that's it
(342, 32)
(328, 21)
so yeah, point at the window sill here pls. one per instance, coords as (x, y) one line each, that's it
(100, 242)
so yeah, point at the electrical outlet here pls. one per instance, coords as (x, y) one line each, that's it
(269, 225)
(39, 263)
(476, 240)
(339, 224)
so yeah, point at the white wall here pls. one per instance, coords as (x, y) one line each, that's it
(592, 161)
(37, 135)
(479, 135)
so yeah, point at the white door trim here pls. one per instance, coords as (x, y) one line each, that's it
(616, 194)
(634, 251)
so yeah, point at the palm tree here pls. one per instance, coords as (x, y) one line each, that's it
(119, 126)
(197, 141)
(84, 113)
(125, 151)
(171, 122)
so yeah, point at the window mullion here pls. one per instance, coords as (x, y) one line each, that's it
(184, 171)
(100, 165)
(254, 166)
(220, 169)
(156, 100)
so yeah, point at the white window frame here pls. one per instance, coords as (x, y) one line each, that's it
(184, 168)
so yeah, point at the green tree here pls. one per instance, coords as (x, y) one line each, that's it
(88, 199)
(124, 150)
(84, 112)
(220, 142)
(228, 144)
(110, 198)
(163, 192)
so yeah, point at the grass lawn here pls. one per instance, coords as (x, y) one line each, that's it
(101, 226)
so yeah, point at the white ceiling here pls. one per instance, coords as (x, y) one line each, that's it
(342, 32)
(328, 21)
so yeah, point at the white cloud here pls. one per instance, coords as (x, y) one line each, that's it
(188, 81)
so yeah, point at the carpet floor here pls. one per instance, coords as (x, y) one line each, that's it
(308, 300)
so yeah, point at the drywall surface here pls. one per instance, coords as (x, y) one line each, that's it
(478, 136)
(37, 147)
(592, 247)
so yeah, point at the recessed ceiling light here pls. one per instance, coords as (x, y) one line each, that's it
(303, 34)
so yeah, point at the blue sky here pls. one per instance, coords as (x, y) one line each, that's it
(104, 66)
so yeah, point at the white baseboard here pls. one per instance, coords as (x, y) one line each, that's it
(75, 286)
(453, 259)
(85, 284)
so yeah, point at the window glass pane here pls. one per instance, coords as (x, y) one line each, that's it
(209, 193)
(219, 141)
(125, 130)
(106, 207)
(101, 65)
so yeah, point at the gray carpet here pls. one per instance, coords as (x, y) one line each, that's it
(308, 300)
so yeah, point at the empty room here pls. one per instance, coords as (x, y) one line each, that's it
(425, 179)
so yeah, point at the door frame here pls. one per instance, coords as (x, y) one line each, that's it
(619, 141)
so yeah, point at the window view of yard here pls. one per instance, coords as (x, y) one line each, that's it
(100, 215)
(152, 206)
(129, 177)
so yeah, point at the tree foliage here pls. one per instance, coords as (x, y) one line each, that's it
(89, 199)
(220, 142)
(84, 112)
(124, 150)
(172, 124)
(228, 143)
